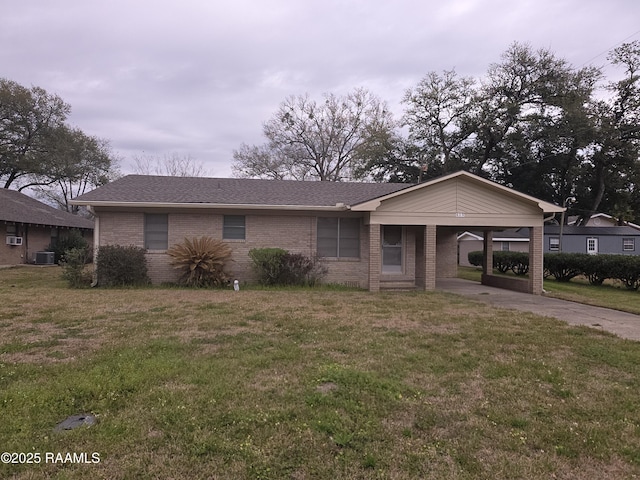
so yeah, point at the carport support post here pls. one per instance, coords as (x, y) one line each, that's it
(375, 257)
(536, 260)
(487, 250)
(430, 257)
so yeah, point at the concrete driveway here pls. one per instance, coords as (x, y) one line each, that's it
(625, 325)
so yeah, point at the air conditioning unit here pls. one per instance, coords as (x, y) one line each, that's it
(13, 240)
(45, 258)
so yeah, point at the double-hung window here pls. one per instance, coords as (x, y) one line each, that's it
(628, 244)
(156, 231)
(554, 244)
(233, 227)
(338, 237)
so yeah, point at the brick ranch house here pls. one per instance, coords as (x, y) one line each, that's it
(374, 236)
(28, 226)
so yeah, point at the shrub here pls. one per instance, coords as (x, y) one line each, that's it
(475, 258)
(267, 264)
(517, 262)
(298, 269)
(74, 267)
(597, 268)
(72, 240)
(563, 266)
(626, 268)
(275, 266)
(117, 265)
(201, 262)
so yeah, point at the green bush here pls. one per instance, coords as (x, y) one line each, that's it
(117, 265)
(201, 261)
(276, 266)
(69, 240)
(626, 268)
(267, 264)
(74, 267)
(598, 268)
(563, 266)
(475, 258)
(517, 262)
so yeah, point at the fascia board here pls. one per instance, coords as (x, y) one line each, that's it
(229, 206)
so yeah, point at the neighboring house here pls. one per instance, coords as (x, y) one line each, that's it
(593, 240)
(28, 226)
(601, 220)
(510, 240)
(374, 236)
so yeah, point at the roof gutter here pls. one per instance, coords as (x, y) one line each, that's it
(338, 207)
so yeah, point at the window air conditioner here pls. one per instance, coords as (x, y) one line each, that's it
(13, 240)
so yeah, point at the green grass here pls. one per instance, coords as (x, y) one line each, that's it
(308, 384)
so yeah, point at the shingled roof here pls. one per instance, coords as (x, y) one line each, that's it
(234, 191)
(20, 208)
(591, 231)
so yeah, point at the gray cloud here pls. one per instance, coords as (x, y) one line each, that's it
(200, 77)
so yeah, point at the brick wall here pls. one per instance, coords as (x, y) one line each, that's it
(447, 253)
(11, 254)
(293, 232)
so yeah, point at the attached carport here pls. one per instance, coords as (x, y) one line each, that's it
(413, 232)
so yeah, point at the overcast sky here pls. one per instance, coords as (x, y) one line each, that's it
(199, 77)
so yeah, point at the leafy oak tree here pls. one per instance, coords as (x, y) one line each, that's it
(29, 119)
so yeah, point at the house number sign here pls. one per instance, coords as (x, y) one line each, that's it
(460, 214)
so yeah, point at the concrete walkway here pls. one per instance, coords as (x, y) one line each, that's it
(625, 325)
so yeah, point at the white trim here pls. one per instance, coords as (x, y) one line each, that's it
(231, 206)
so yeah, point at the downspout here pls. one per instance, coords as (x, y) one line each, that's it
(545, 220)
(96, 240)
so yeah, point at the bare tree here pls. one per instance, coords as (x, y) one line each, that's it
(321, 141)
(169, 165)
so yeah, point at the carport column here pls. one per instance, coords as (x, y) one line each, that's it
(375, 254)
(536, 260)
(430, 257)
(487, 250)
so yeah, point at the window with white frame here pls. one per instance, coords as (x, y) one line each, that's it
(628, 244)
(156, 231)
(505, 247)
(233, 227)
(554, 244)
(338, 237)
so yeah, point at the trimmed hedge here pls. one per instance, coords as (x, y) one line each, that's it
(517, 262)
(565, 266)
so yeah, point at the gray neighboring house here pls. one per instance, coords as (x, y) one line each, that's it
(509, 240)
(593, 240)
(28, 226)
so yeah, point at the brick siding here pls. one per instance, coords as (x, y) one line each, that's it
(295, 233)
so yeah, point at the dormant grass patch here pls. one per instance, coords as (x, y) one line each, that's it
(307, 383)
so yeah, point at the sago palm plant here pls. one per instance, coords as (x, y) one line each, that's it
(201, 261)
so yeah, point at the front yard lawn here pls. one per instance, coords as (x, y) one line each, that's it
(307, 384)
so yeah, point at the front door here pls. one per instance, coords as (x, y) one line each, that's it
(391, 249)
